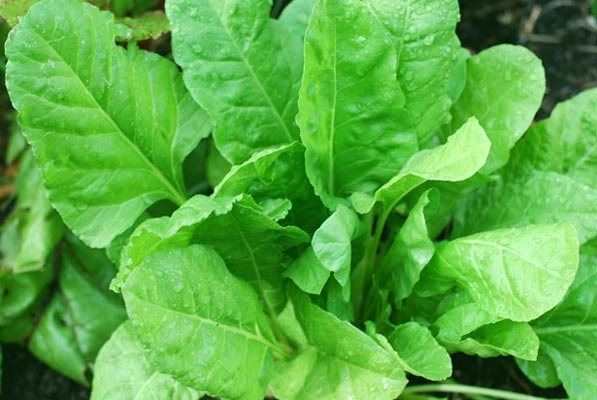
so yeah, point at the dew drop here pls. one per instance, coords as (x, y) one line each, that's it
(177, 286)
(428, 40)
(81, 206)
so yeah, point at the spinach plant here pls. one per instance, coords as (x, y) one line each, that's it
(312, 207)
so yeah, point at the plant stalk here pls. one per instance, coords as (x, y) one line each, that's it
(466, 389)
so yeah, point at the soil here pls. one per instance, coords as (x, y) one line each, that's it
(562, 33)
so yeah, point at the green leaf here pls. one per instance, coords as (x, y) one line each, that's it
(221, 47)
(568, 333)
(501, 338)
(537, 197)
(462, 156)
(251, 244)
(33, 228)
(550, 177)
(277, 173)
(340, 362)
(81, 315)
(426, 47)
(516, 274)
(295, 16)
(542, 371)
(222, 342)
(504, 89)
(20, 296)
(99, 117)
(565, 143)
(420, 352)
(12, 10)
(409, 253)
(308, 273)
(150, 25)
(122, 372)
(463, 326)
(332, 244)
(355, 130)
(330, 252)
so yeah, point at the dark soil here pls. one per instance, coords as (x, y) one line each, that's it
(562, 33)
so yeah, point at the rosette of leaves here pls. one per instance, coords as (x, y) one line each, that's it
(343, 139)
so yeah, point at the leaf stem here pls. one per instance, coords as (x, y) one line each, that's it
(466, 389)
(363, 273)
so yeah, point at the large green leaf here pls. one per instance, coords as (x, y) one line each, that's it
(33, 228)
(568, 334)
(249, 241)
(81, 315)
(109, 127)
(504, 88)
(551, 176)
(459, 158)
(340, 362)
(201, 324)
(242, 67)
(426, 47)
(351, 112)
(516, 274)
(122, 372)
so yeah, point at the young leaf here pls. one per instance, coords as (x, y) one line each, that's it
(332, 243)
(420, 352)
(99, 117)
(426, 47)
(308, 273)
(504, 89)
(251, 244)
(221, 46)
(409, 253)
(122, 372)
(463, 155)
(516, 274)
(568, 333)
(355, 130)
(201, 324)
(330, 252)
(340, 362)
(31, 232)
(277, 173)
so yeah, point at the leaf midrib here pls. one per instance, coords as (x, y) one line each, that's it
(254, 77)
(175, 196)
(215, 324)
